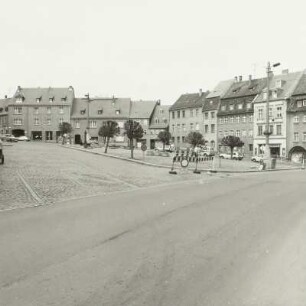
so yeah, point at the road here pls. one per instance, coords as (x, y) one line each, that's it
(235, 241)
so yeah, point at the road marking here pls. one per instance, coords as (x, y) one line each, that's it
(30, 190)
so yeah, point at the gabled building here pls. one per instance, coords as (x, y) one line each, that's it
(235, 114)
(296, 122)
(38, 112)
(281, 88)
(186, 116)
(90, 114)
(158, 123)
(4, 122)
(210, 109)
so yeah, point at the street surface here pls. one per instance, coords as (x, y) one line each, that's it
(231, 240)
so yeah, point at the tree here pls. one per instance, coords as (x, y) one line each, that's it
(164, 137)
(133, 130)
(65, 128)
(108, 130)
(195, 139)
(232, 142)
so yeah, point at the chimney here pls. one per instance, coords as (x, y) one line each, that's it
(236, 79)
(240, 78)
(5, 97)
(250, 79)
(70, 88)
(200, 92)
(285, 71)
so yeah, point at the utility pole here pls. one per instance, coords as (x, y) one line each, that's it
(87, 128)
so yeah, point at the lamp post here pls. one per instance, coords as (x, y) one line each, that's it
(87, 128)
(267, 130)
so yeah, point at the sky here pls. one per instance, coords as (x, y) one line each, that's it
(146, 49)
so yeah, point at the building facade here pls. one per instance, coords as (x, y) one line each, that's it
(4, 123)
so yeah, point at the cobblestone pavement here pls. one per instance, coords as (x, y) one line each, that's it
(41, 174)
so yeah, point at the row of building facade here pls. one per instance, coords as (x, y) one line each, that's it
(234, 107)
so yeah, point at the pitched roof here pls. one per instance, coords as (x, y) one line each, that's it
(104, 108)
(142, 109)
(160, 118)
(301, 87)
(283, 84)
(221, 89)
(189, 101)
(4, 103)
(31, 94)
(211, 104)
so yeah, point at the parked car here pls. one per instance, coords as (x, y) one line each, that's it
(1, 153)
(256, 158)
(23, 138)
(236, 156)
(168, 148)
(9, 138)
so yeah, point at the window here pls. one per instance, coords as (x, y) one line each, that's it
(231, 107)
(279, 112)
(240, 106)
(117, 112)
(270, 112)
(36, 121)
(231, 119)
(223, 107)
(172, 127)
(212, 128)
(161, 111)
(238, 119)
(156, 120)
(279, 129)
(183, 127)
(206, 128)
(304, 102)
(225, 119)
(296, 136)
(17, 121)
(197, 112)
(206, 116)
(77, 124)
(249, 105)
(178, 114)
(259, 130)
(183, 138)
(271, 129)
(61, 109)
(304, 136)
(173, 115)
(48, 110)
(212, 115)
(225, 133)
(197, 127)
(251, 147)
(63, 99)
(100, 111)
(232, 132)
(243, 133)
(51, 99)
(250, 133)
(38, 100)
(17, 110)
(178, 139)
(83, 111)
(36, 110)
(191, 126)
(244, 119)
(145, 121)
(296, 119)
(178, 126)
(251, 118)
(19, 100)
(260, 113)
(220, 134)
(238, 133)
(183, 114)
(299, 103)
(221, 120)
(48, 121)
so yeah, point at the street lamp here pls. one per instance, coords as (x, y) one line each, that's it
(268, 132)
(87, 128)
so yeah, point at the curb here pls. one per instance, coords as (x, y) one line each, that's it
(169, 167)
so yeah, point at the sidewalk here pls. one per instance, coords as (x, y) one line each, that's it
(157, 160)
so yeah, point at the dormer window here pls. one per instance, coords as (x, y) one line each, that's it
(274, 94)
(100, 111)
(51, 99)
(83, 111)
(38, 100)
(19, 100)
(279, 83)
(223, 107)
(117, 112)
(64, 99)
(299, 103)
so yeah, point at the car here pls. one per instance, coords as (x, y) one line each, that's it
(257, 158)
(206, 151)
(236, 156)
(168, 148)
(1, 153)
(23, 138)
(9, 138)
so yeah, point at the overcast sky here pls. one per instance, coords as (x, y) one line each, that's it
(146, 49)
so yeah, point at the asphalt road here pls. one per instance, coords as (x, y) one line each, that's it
(237, 241)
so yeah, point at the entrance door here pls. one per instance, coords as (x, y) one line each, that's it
(152, 144)
(36, 135)
(49, 135)
(77, 139)
(275, 151)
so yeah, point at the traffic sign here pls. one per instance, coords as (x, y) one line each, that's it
(143, 147)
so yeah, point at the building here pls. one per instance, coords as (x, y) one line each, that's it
(186, 116)
(4, 123)
(210, 110)
(296, 122)
(38, 112)
(90, 114)
(235, 114)
(281, 88)
(158, 123)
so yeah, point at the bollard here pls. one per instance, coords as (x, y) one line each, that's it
(172, 171)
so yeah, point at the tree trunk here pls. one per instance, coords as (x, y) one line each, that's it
(232, 152)
(106, 146)
(132, 148)
(163, 147)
